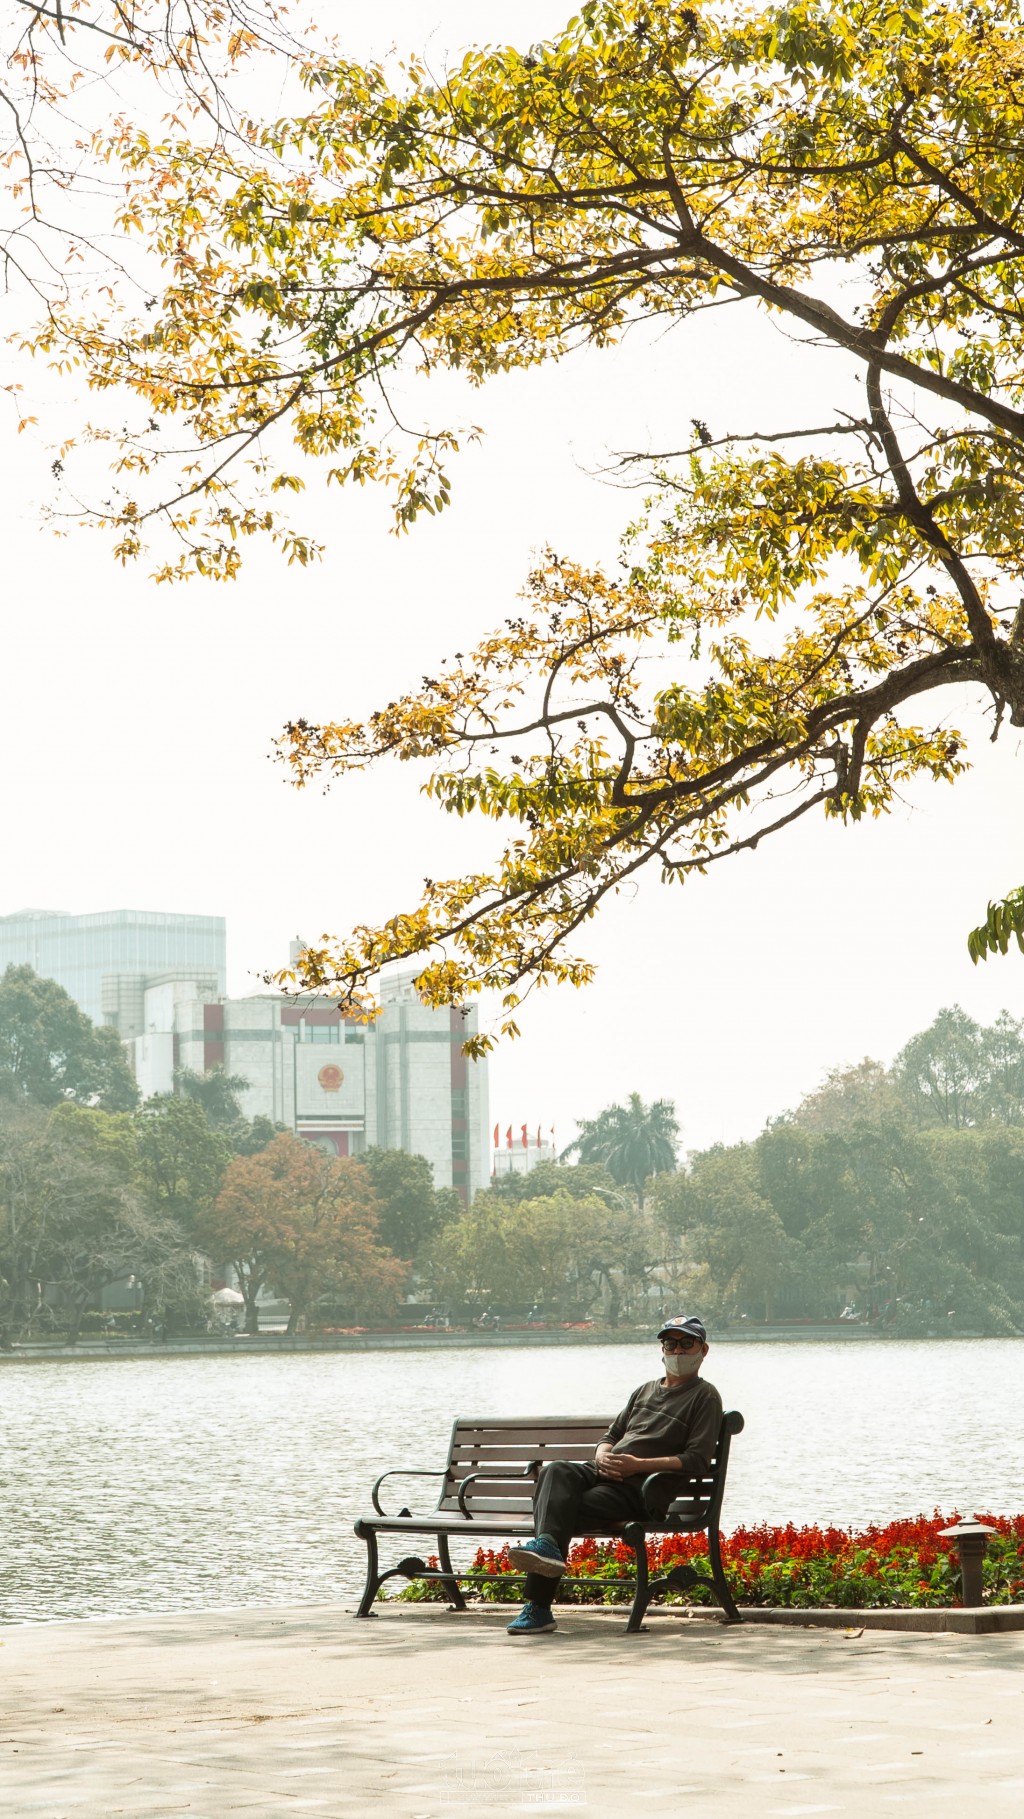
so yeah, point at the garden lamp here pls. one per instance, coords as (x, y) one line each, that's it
(970, 1539)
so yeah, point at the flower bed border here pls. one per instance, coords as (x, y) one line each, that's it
(972, 1620)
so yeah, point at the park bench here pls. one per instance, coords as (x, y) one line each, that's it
(487, 1485)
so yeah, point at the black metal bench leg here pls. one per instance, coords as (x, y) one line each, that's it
(725, 1597)
(454, 1588)
(637, 1540)
(372, 1576)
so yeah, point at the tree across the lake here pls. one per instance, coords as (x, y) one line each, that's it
(50, 1050)
(305, 1224)
(632, 1141)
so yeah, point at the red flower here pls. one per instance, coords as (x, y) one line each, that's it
(764, 1560)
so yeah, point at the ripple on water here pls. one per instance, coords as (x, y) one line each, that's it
(190, 1483)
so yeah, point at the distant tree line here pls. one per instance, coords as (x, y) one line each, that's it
(893, 1195)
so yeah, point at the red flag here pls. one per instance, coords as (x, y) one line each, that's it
(508, 1137)
(525, 1138)
(496, 1136)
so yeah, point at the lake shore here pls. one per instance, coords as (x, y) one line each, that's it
(420, 1339)
(417, 1714)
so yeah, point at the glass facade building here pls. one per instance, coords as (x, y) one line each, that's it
(80, 952)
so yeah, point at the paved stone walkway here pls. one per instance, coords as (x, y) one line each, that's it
(418, 1714)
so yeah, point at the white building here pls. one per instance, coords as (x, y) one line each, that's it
(399, 1083)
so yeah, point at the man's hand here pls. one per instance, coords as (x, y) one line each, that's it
(618, 1466)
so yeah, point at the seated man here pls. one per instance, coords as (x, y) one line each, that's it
(669, 1425)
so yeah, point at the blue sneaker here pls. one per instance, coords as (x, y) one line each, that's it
(538, 1555)
(532, 1620)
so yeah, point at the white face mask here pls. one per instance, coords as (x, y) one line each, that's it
(683, 1364)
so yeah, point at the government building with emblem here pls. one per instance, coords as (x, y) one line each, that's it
(402, 1082)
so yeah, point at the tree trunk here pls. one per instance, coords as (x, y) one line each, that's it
(27, 1304)
(38, 1316)
(78, 1306)
(614, 1299)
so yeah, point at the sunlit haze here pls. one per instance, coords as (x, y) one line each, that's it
(137, 724)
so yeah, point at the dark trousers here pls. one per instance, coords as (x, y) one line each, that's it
(573, 1500)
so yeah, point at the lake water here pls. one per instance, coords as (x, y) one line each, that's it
(196, 1483)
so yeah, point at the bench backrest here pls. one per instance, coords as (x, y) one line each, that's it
(495, 1442)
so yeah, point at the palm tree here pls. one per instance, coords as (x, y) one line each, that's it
(633, 1141)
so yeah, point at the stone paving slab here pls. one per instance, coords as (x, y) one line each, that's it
(422, 1714)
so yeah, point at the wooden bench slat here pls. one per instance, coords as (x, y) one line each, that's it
(491, 1522)
(508, 1430)
(475, 1458)
(493, 1505)
(521, 1436)
(509, 1475)
(500, 1424)
(499, 1501)
(525, 1450)
(463, 1468)
(522, 1441)
(526, 1447)
(497, 1493)
(527, 1436)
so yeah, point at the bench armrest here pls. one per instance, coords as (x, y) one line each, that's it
(399, 1471)
(654, 1478)
(506, 1472)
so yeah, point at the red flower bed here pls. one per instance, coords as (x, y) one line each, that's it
(902, 1563)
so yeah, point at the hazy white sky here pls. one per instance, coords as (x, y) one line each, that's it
(136, 725)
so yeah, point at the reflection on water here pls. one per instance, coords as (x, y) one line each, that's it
(172, 1483)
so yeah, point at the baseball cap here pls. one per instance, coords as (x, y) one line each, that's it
(685, 1323)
